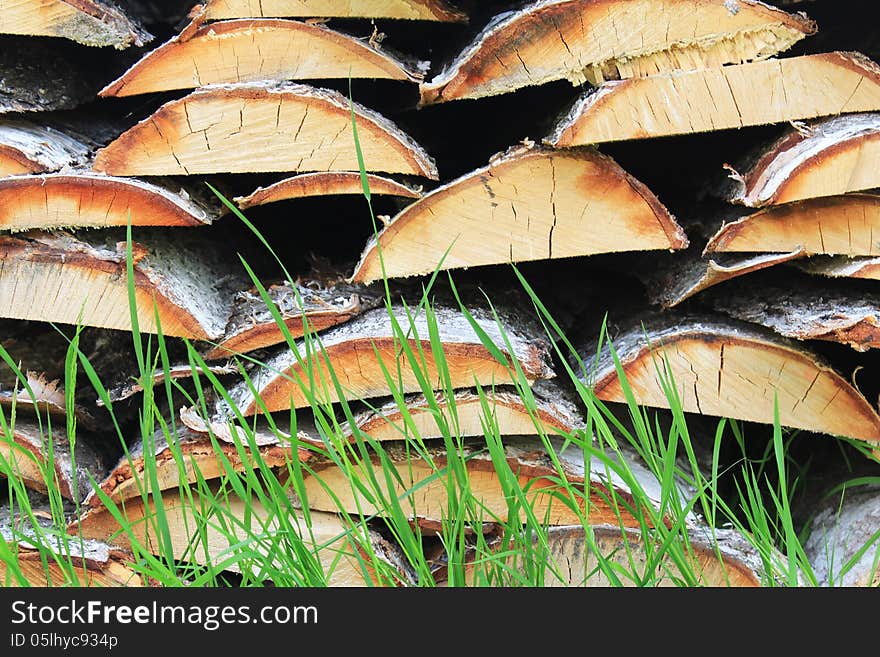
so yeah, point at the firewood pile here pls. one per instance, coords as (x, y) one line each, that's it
(699, 177)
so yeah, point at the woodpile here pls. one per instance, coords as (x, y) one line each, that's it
(691, 189)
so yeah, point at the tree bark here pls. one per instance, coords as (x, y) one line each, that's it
(26, 147)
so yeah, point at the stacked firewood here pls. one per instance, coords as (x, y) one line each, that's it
(696, 170)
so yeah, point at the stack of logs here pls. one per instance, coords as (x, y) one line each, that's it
(695, 169)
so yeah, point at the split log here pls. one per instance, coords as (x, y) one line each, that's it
(329, 183)
(131, 387)
(843, 267)
(237, 129)
(250, 50)
(727, 97)
(26, 451)
(358, 349)
(824, 158)
(26, 147)
(421, 484)
(88, 200)
(191, 457)
(586, 40)
(530, 203)
(90, 22)
(829, 225)
(39, 396)
(89, 272)
(805, 311)
(321, 303)
(844, 525)
(731, 369)
(212, 530)
(423, 10)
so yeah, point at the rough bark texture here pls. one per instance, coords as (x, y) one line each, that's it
(131, 387)
(27, 147)
(426, 10)
(843, 267)
(542, 204)
(585, 40)
(758, 93)
(325, 184)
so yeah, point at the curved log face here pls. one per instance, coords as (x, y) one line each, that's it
(728, 370)
(29, 148)
(827, 158)
(843, 267)
(530, 203)
(324, 183)
(89, 22)
(238, 129)
(594, 40)
(425, 10)
(687, 102)
(93, 201)
(834, 225)
(249, 50)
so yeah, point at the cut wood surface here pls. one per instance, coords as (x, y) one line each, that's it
(832, 225)
(197, 535)
(248, 50)
(590, 40)
(824, 158)
(26, 147)
(88, 270)
(842, 527)
(25, 452)
(324, 183)
(843, 267)
(421, 485)
(425, 10)
(321, 304)
(89, 200)
(358, 349)
(731, 369)
(89, 22)
(238, 129)
(757, 93)
(530, 203)
(672, 279)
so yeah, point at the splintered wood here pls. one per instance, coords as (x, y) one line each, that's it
(824, 158)
(89, 273)
(257, 49)
(733, 370)
(89, 22)
(324, 183)
(425, 10)
(238, 129)
(590, 40)
(530, 203)
(358, 351)
(26, 147)
(758, 93)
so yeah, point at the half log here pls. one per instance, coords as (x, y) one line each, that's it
(843, 267)
(824, 158)
(424, 10)
(726, 97)
(529, 203)
(26, 147)
(248, 50)
(590, 40)
(237, 129)
(731, 369)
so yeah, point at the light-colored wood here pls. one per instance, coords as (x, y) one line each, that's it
(530, 203)
(316, 303)
(424, 10)
(595, 40)
(89, 22)
(358, 349)
(329, 183)
(89, 273)
(722, 98)
(212, 531)
(829, 225)
(248, 50)
(241, 128)
(88, 200)
(824, 158)
(117, 571)
(40, 396)
(727, 369)
(421, 484)
(843, 267)
(26, 147)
